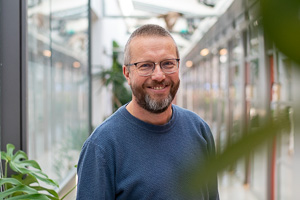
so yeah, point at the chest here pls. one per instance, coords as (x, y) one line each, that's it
(151, 166)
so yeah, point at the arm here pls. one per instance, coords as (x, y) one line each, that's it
(95, 178)
(213, 190)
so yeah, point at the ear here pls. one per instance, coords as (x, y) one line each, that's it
(126, 74)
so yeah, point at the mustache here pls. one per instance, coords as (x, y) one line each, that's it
(159, 83)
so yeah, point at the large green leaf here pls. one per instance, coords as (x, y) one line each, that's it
(9, 180)
(7, 156)
(50, 191)
(21, 189)
(10, 149)
(206, 174)
(25, 179)
(20, 164)
(43, 177)
(29, 179)
(20, 161)
(30, 197)
(30, 163)
(281, 23)
(17, 189)
(4, 156)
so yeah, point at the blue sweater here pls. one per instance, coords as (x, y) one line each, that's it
(126, 158)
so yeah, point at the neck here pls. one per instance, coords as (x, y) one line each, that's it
(149, 117)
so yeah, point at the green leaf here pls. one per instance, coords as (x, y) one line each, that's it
(31, 163)
(4, 156)
(30, 197)
(282, 25)
(25, 179)
(10, 149)
(7, 156)
(26, 164)
(21, 164)
(52, 198)
(50, 191)
(17, 189)
(9, 180)
(200, 176)
(28, 172)
(21, 189)
(43, 177)
(19, 157)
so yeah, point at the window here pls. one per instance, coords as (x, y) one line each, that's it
(58, 121)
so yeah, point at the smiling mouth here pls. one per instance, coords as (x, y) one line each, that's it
(158, 88)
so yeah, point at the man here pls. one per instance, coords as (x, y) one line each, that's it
(144, 148)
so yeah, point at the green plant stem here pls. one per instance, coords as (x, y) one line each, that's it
(5, 170)
(68, 192)
(5, 174)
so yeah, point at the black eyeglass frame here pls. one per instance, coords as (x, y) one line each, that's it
(136, 63)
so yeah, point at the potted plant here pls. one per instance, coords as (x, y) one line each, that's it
(25, 182)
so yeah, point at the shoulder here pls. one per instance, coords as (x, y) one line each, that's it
(191, 120)
(185, 114)
(108, 130)
(191, 123)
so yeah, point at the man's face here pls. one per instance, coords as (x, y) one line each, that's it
(155, 92)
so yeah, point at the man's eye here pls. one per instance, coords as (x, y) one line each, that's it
(145, 66)
(168, 64)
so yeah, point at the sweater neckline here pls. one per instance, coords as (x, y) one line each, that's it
(145, 125)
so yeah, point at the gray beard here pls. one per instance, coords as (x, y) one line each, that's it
(157, 106)
(145, 101)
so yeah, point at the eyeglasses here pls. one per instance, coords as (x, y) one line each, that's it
(146, 68)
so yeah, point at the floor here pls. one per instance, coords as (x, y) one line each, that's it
(230, 188)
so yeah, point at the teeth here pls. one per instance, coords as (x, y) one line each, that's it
(158, 88)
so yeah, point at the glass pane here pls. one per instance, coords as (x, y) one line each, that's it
(235, 85)
(57, 83)
(253, 39)
(223, 61)
(202, 89)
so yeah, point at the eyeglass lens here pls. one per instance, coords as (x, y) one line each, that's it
(167, 66)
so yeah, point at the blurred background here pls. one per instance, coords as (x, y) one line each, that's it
(61, 76)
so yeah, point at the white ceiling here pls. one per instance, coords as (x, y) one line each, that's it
(185, 16)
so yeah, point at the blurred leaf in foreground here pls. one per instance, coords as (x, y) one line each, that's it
(201, 176)
(281, 21)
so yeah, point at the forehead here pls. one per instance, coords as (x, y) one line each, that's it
(152, 44)
(148, 40)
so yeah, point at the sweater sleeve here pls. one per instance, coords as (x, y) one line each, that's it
(213, 191)
(95, 177)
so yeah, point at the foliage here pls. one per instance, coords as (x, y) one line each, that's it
(282, 27)
(233, 152)
(25, 183)
(114, 77)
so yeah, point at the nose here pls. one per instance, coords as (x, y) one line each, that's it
(158, 74)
